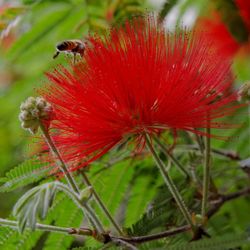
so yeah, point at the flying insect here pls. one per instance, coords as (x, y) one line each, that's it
(70, 46)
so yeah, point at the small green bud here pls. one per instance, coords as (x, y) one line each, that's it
(198, 219)
(86, 194)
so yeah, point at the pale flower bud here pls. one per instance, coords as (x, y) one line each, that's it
(26, 105)
(33, 111)
(41, 103)
(24, 116)
(244, 93)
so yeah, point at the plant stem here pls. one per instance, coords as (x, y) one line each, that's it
(225, 198)
(200, 143)
(43, 227)
(100, 203)
(94, 218)
(232, 155)
(206, 174)
(156, 236)
(74, 196)
(171, 157)
(62, 164)
(124, 244)
(71, 182)
(170, 184)
(134, 239)
(89, 232)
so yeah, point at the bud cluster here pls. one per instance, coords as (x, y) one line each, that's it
(33, 111)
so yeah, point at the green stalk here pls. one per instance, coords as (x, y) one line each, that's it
(71, 182)
(50, 228)
(43, 227)
(62, 165)
(206, 174)
(170, 184)
(75, 197)
(200, 143)
(100, 203)
(172, 158)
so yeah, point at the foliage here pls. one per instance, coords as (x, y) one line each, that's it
(218, 243)
(28, 172)
(34, 203)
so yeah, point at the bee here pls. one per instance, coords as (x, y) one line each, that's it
(70, 46)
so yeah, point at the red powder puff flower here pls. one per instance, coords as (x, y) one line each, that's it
(138, 80)
(218, 31)
(244, 8)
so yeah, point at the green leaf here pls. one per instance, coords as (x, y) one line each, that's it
(155, 245)
(28, 172)
(12, 240)
(35, 203)
(5, 234)
(66, 214)
(216, 243)
(162, 211)
(46, 24)
(127, 9)
(142, 191)
(112, 183)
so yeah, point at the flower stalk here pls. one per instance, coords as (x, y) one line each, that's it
(200, 143)
(206, 174)
(100, 203)
(58, 156)
(171, 157)
(88, 232)
(137, 239)
(75, 197)
(56, 229)
(170, 184)
(71, 182)
(43, 227)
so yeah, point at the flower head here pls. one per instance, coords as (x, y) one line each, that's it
(138, 80)
(244, 8)
(218, 31)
